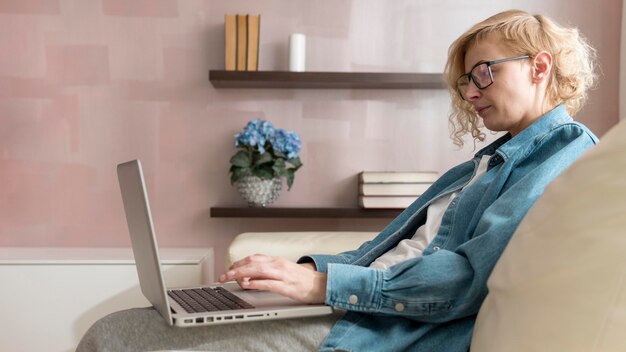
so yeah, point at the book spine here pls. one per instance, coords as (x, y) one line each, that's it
(397, 177)
(393, 189)
(254, 24)
(230, 42)
(242, 41)
(385, 202)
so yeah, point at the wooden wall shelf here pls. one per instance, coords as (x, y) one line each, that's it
(325, 80)
(244, 212)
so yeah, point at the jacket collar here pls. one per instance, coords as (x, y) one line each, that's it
(507, 146)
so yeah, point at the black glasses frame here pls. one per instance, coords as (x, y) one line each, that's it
(470, 77)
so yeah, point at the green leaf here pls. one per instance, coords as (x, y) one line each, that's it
(265, 158)
(231, 172)
(280, 155)
(295, 162)
(291, 175)
(241, 159)
(238, 172)
(280, 168)
(264, 173)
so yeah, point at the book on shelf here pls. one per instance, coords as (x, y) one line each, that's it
(393, 189)
(397, 177)
(230, 42)
(254, 28)
(242, 42)
(386, 202)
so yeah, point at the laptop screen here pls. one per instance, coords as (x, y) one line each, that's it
(141, 229)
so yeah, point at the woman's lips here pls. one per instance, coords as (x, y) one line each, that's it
(482, 109)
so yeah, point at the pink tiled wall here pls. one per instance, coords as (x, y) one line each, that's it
(86, 84)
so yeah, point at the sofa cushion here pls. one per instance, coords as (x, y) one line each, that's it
(560, 285)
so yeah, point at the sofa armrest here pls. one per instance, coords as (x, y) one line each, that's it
(293, 245)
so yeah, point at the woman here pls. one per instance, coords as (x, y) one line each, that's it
(419, 284)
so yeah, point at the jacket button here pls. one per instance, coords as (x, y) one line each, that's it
(399, 307)
(436, 248)
(353, 299)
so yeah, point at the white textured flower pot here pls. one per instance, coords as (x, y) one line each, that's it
(259, 192)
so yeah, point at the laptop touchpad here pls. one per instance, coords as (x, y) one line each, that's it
(265, 298)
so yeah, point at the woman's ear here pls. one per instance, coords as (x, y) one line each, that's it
(542, 65)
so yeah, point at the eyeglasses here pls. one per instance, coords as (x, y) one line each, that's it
(481, 75)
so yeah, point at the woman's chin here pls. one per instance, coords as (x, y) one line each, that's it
(492, 126)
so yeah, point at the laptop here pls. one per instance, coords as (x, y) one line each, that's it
(193, 306)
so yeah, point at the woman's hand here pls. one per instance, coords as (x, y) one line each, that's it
(299, 282)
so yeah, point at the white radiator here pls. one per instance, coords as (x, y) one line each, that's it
(50, 296)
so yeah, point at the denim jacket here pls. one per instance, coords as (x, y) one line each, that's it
(429, 303)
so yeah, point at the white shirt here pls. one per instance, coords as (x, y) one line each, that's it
(413, 247)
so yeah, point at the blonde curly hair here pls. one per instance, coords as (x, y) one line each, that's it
(573, 71)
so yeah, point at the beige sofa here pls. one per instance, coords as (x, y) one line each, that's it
(560, 285)
(293, 245)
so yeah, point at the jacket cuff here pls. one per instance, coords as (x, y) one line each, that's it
(353, 287)
(321, 261)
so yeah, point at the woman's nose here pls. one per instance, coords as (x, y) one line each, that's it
(472, 93)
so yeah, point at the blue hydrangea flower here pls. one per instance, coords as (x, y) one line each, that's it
(255, 134)
(286, 142)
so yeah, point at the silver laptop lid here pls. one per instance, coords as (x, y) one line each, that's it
(142, 235)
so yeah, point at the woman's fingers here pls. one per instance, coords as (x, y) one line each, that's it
(252, 258)
(255, 271)
(278, 275)
(256, 266)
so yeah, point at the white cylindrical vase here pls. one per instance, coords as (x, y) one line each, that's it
(297, 52)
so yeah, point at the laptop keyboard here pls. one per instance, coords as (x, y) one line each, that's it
(207, 299)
